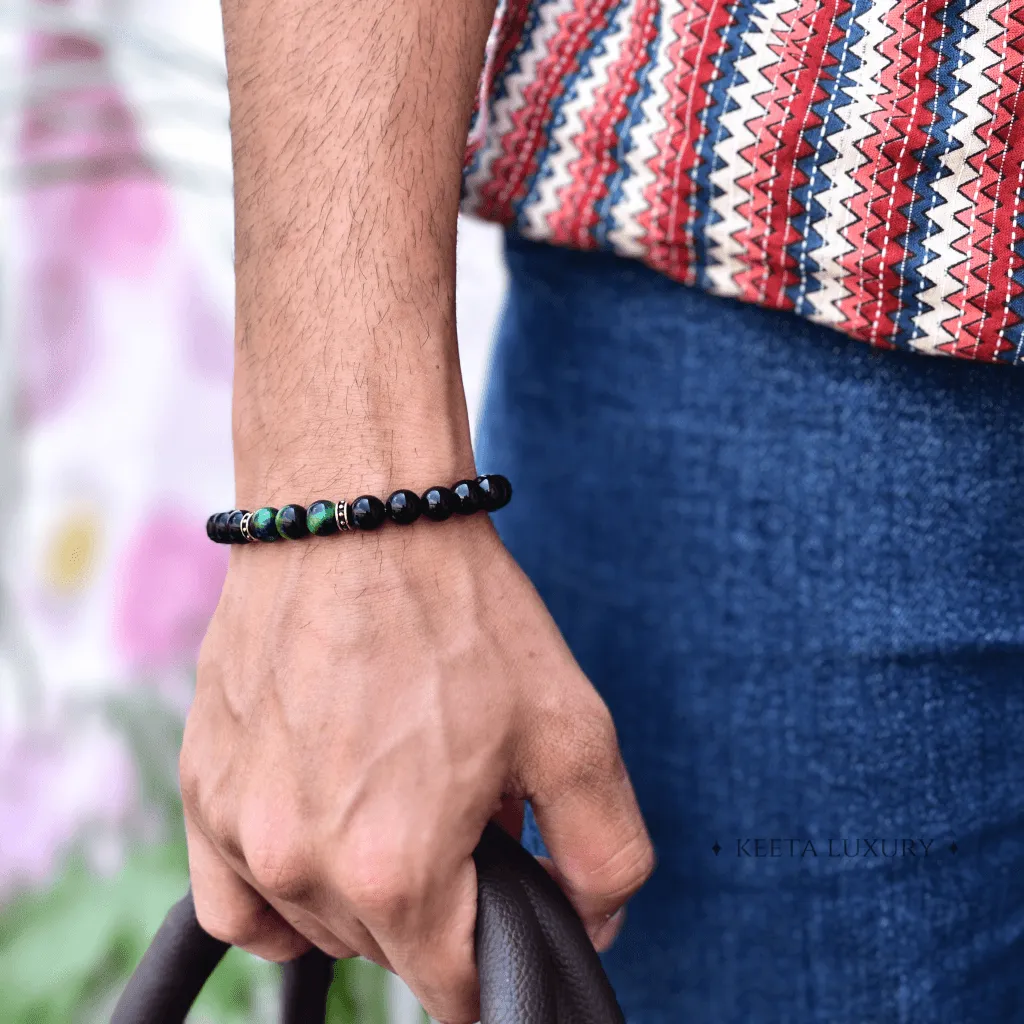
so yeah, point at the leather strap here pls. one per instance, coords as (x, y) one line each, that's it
(536, 964)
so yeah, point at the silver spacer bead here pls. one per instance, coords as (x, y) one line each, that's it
(341, 516)
(244, 527)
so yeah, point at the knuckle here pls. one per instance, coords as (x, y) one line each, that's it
(601, 735)
(592, 759)
(382, 889)
(278, 867)
(214, 819)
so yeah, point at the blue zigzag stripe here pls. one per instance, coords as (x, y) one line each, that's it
(838, 85)
(949, 47)
(567, 92)
(615, 181)
(735, 34)
(504, 74)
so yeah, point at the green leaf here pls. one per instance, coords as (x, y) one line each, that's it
(60, 949)
(240, 988)
(69, 950)
(359, 994)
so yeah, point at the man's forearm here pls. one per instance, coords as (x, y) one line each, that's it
(349, 122)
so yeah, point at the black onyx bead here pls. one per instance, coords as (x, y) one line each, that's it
(468, 497)
(403, 507)
(261, 525)
(366, 512)
(320, 519)
(220, 527)
(234, 527)
(497, 491)
(211, 527)
(438, 504)
(290, 522)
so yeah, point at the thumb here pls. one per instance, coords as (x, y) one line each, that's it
(588, 816)
(603, 936)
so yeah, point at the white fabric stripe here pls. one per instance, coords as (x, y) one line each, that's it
(849, 158)
(950, 190)
(625, 238)
(501, 123)
(734, 136)
(564, 148)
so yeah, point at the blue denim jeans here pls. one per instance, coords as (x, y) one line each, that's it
(794, 568)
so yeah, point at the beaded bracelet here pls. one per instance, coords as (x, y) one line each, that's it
(322, 518)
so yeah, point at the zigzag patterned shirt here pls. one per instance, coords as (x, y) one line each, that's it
(859, 162)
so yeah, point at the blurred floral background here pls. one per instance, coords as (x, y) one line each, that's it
(116, 300)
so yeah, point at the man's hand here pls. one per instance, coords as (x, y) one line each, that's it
(364, 705)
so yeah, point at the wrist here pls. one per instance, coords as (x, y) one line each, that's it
(351, 416)
(337, 454)
(404, 565)
(334, 468)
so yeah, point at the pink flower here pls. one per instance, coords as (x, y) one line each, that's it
(52, 786)
(96, 209)
(106, 207)
(169, 581)
(56, 338)
(121, 225)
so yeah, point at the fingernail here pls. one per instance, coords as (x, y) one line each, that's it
(604, 935)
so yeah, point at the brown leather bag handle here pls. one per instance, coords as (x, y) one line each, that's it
(535, 962)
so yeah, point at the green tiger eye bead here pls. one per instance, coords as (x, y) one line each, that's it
(262, 525)
(291, 522)
(320, 519)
